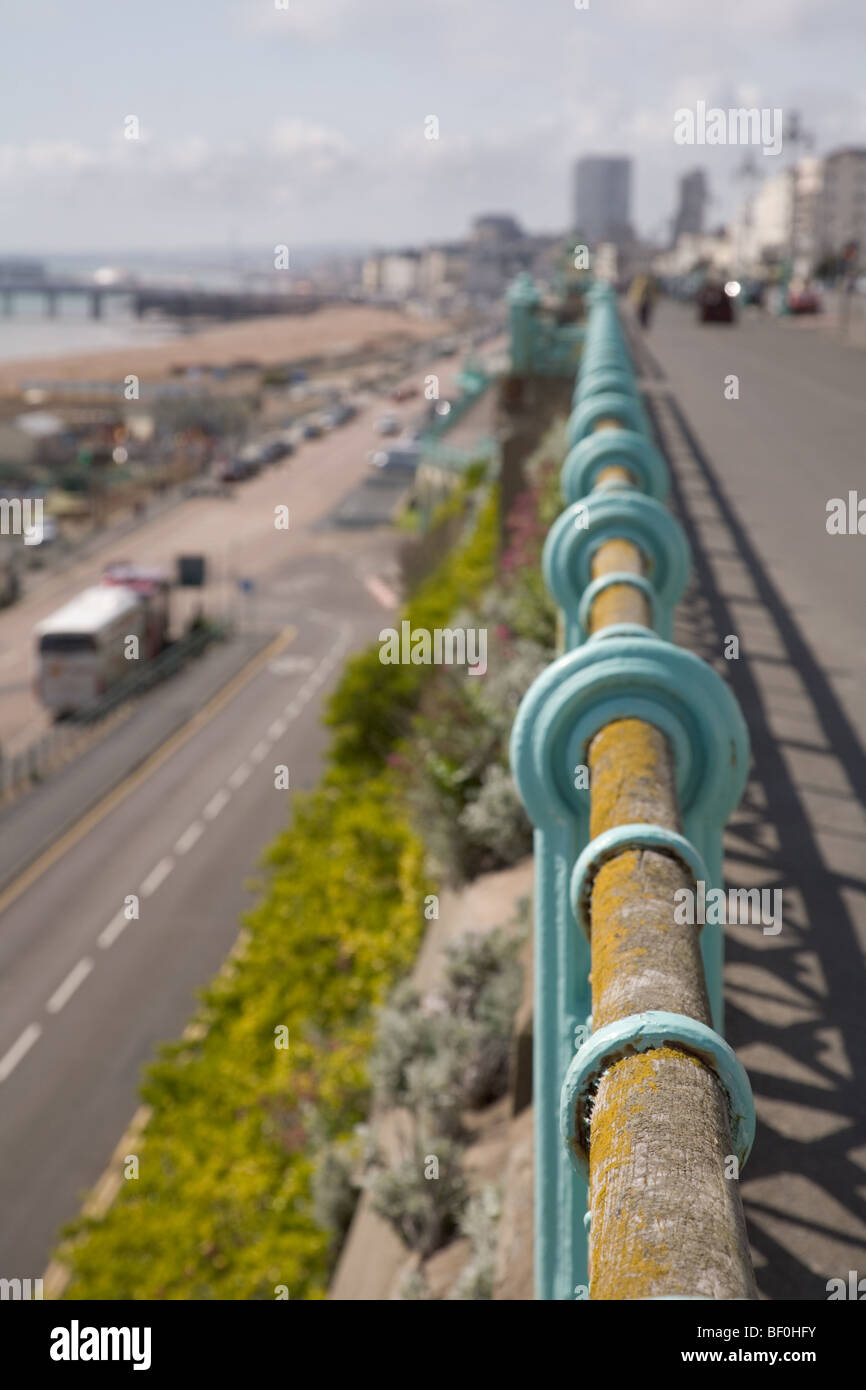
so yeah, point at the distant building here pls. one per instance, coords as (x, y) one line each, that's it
(841, 213)
(496, 228)
(442, 273)
(602, 199)
(391, 275)
(451, 276)
(371, 276)
(498, 250)
(806, 214)
(689, 216)
(715, 251)
(400, 274)
(781, 222)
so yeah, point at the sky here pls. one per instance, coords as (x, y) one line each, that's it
(303, 125)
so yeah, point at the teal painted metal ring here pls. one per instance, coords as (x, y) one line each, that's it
(607, 581)
(628, 515)
(594, 359)
(639, 678)
(607, 405)
(639, 835)
(622, 630)
(599, 379)
(642, 1033)
(627, 448)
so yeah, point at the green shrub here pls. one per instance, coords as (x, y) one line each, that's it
(451, 1050)
(370, 711)
(424, 1211)
(480, 1222)
(223, 1207)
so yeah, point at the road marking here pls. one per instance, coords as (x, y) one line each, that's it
(216, 804)
(156, 876)
(109, 934)
(18, 1050)
(63, 993)
(277, 728)
(380, 591)
(239, 776)
(69, 838)
(288, 665)
(259, 752)
(109, 1184)
(190, 836)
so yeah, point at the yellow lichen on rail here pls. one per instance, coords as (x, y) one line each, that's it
(631, 775)
(641, 957)
(665, 1218)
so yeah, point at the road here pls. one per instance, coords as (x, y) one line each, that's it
(752, 480)
(239, 537)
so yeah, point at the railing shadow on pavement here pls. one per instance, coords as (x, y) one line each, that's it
(795, 1002)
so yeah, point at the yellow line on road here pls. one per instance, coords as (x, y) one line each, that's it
(76, 832)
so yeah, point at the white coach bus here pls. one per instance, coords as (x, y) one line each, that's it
(80, 649)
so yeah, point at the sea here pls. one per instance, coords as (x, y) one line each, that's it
(28, 332)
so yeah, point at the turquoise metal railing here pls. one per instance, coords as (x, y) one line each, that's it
(615, 482)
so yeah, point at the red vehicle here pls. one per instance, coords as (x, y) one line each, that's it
(153, 586)
(404, 393)
(802, 299)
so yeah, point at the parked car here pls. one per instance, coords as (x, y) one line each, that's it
(404, 393)
(388, 424)
(207, 487)
(340, 415)
(803, 299)
(715, 305)
(389, 461)
(311, 430)
(236, 470)
(273, 450)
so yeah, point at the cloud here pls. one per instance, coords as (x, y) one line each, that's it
(314, 20)
(758, 16)
(45, 159)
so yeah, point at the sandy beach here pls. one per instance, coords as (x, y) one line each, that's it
(265, 340)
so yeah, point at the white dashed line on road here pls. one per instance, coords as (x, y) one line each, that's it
(19, 1049)
(190, 836)
(77, 975)
(185, 842)
(109, 934)
(380, 591)
(216, 804)
(156, 876)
